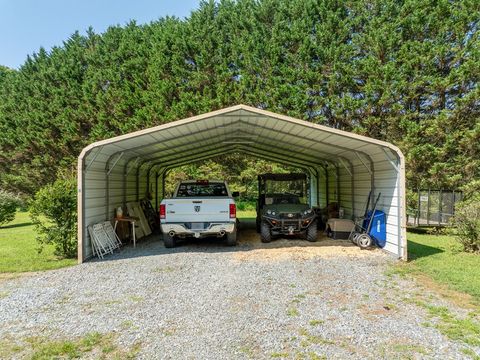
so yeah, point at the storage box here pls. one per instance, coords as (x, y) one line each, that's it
(339, 228)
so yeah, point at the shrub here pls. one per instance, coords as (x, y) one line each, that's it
(467, 223)
(245, 205)
(54, 213)
(8, 206)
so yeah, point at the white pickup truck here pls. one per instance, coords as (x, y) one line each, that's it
(199, 208)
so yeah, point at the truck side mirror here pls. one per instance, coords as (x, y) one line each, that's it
(235, 194)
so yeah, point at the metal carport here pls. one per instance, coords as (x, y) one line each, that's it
(343, 166)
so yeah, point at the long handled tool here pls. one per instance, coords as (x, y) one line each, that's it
(368, 204)
(356, 231)
(370, 222)
(364, 240)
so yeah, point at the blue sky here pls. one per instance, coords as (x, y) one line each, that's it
(26, 25)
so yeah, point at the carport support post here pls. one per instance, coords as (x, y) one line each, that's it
(137, 185)
(337, 172)
(156, 191)
(148, 178)
(312, 186)
(352, 185)
(124, 185)
(81, 211)
(107, 193)
(326, 185)
(401, 208)
(163, 184)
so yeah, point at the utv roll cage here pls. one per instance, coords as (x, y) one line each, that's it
(277, 177)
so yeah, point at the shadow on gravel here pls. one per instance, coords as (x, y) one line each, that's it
(248, 239)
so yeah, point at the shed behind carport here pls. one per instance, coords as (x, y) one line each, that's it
(343, 167)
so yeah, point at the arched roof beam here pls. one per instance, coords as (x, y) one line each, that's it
(278, 160)
(283, 162)
(170, 139)
(308, 148)
(310, 159)
(267, 152)
(229, 139)
(205, 156)
(315, 141)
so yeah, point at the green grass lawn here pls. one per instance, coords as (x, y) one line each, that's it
(18, 248)
(440, 257)
(246, 214)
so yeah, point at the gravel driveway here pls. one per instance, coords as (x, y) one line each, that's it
(286, 299)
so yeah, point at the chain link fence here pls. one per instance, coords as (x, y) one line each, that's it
(434, 207)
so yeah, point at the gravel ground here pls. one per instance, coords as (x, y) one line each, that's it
(206, 301)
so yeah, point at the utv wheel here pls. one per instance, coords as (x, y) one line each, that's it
(312, 231)
(231, 238)
(265, 233)
(169, 241)
(364, 241)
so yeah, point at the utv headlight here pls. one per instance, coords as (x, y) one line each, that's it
(269, 212)
(273, 213)
(307, 212)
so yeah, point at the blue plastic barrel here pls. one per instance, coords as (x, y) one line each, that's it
(378, 231)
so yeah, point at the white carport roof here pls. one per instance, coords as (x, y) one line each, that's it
(243, 129)
(282, 136)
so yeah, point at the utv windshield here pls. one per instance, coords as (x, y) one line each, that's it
(197, 190)
(285, 192)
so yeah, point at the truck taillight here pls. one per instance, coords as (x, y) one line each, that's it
(163, 211)
(233, 211)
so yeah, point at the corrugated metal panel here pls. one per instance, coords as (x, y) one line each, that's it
(143, 185)
(261, 132)
(321, 185)
(332, 185)
(345, 185)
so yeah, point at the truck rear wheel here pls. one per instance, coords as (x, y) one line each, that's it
(312, 231)
(232, 238)
(265, 232)
(169, 241)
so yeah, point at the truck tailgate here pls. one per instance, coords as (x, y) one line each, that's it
(198, 210)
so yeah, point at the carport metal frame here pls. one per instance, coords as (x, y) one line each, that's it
(260, 153)
(307, 157)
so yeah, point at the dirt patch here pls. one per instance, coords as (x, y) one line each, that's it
(12, 276)
(460, 299)
(372, 311)
(295, 249)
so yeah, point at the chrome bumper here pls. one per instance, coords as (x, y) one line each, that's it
(214, 229)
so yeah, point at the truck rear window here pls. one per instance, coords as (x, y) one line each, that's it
(195, 190)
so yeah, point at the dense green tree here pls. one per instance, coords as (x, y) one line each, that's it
(403, 71)
(239, 171)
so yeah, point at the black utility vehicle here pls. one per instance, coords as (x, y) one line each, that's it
(282, 208)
